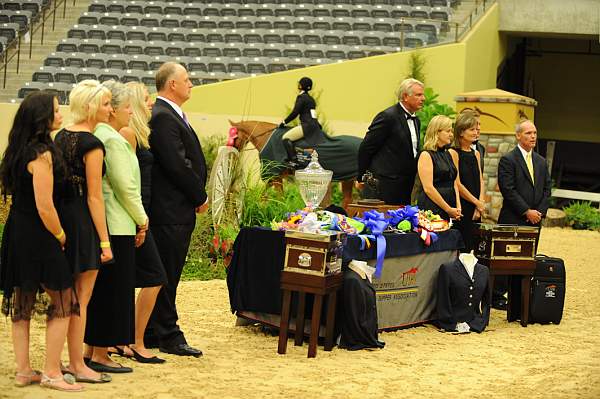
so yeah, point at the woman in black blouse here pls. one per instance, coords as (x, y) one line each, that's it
(437, 171)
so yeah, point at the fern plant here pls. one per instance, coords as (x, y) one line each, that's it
(431, 108)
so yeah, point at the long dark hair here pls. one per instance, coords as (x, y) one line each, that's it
(29, 137)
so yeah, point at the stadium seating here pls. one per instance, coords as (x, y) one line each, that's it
(227, 39)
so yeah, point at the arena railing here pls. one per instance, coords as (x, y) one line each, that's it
(35, 24)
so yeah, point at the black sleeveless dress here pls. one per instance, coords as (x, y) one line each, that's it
(31, 257)
(149, 269)
(444, 174)
(83, 243)
(469, 177)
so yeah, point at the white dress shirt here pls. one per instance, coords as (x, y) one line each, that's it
(413, 129)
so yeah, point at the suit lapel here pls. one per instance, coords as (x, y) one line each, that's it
(538, 168)
(188, 127)
(521, 161)
(462, 271)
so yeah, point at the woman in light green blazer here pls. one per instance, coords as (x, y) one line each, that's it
(111, 314)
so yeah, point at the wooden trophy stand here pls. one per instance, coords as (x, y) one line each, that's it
(303, 284)
(509, 250)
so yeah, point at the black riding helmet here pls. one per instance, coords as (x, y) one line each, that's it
(305, 83)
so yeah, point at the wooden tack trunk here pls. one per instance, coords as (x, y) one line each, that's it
(315, 254)
(505, 245)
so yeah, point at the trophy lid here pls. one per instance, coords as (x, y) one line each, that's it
(313, 181)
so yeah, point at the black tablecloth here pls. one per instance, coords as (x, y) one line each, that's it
(259, 254)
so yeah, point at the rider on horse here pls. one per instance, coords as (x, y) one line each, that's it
(309, 127)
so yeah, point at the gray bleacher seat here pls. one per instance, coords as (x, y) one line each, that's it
(419, 3)
(195, 36)
(117, 61)
(152, 7)
(415, 39)
(430, 29)
(55, 60)
(231, 50)
(420, 12)
(134, 7)
(360, 13)
(379, 13)
(211, 51)
(136, 33)
(400, 2)
(233, 37)
(441, 13)
(139, 62)
(44, 74)
(79, 32)
(356, 54)
(150, 20)
(244, 24)
(400, 11)
(90, 45)
(283, 12)
(207, 23)
(154, 48)
(211, 11)
(351, 39)
(439, 3)
(311, 38)
(226, 23)
(156, 61)
(382, 26)
(251, 52)
(331, 39)
(197, 64)
(405, 26)
(66, 75)
(9, 31)
(131, 19)
(132, 47)
(75, 59)
(110, 47)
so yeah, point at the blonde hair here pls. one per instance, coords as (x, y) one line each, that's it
(466, 120)
(85, 100)
(140, 115)
(436, 125)
(406, 87)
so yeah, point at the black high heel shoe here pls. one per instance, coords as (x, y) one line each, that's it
(142, 359)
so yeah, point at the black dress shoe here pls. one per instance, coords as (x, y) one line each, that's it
(500, 304)
(181, 350)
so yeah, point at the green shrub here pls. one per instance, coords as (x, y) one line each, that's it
(583, 216)
(431, 108)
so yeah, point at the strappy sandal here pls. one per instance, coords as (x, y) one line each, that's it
(53, 383)
(33, 377)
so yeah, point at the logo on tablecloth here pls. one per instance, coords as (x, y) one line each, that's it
(403, 288)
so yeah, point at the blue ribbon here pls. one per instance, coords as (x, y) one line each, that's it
(376, 223)
(410, 213)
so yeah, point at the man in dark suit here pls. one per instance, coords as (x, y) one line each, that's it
(390, 147)
(526, 189)
(178, 193)
(525, 184)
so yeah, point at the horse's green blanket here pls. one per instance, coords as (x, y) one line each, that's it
(338, 154)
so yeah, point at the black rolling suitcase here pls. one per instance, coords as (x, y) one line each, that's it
(547, 290)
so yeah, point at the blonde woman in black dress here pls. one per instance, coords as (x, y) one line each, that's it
(32, 256)
(437, 171)
(82, 209)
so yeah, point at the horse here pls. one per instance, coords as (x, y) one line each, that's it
(338, 153)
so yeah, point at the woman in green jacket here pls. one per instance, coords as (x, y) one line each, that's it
(111, 320)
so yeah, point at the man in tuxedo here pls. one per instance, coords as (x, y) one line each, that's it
(390, 147)
(525, 184)
(178, 193)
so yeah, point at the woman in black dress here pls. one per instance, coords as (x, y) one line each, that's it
(32, 256)
(470, 185)
(309, 127)
(150, 274)
(82, 208)
(437, 171)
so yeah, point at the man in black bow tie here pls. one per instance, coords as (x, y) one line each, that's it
(390, 147)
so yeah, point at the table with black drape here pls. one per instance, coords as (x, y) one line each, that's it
(405, 291)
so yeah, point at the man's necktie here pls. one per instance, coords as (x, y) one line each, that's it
(529, 163)
(185, 119)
